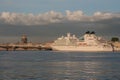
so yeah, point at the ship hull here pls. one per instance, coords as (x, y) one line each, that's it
(82, 48)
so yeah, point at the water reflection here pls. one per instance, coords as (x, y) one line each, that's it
(74, 70)
(59, 67)
(78, 70)
(50, 70)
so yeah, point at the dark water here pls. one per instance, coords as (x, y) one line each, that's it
(50, 65)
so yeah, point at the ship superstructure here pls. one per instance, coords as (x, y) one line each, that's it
(89, 42)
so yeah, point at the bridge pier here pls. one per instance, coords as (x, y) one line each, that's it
(7, 49)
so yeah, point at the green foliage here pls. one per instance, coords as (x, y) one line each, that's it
(115, 39)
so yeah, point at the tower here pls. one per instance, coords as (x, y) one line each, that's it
(24, 39)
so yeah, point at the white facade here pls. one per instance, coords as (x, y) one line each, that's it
(90, 43)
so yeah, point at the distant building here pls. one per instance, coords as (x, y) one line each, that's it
(24, 39)
(116, 44)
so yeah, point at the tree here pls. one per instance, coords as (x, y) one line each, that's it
(114, 39)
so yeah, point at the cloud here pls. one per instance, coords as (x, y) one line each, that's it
(74, 16)
(53, 17)
(30, 19)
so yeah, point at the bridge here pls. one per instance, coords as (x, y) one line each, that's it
(21, 46)
(24, 45)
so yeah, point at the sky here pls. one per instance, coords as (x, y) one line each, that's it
(45, 20)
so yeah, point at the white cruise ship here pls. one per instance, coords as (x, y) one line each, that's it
(89, 42)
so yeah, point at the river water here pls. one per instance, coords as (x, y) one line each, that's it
(53, 65)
